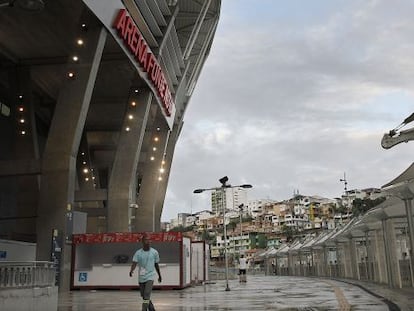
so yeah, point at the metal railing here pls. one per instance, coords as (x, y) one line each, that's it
(26, 274)
(218, 273)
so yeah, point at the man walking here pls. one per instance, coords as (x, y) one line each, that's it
(242, 268)
(147, 259)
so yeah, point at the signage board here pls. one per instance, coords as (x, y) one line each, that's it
(115, 17)
(56, 253)
(118, 237)
(83, 276)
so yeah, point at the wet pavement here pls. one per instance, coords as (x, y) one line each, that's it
(259, 293)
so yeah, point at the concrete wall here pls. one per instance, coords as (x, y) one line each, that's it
(29, 299)
(17, 251)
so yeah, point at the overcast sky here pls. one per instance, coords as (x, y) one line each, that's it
(294, 94)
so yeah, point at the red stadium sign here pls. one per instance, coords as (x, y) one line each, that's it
(118, 237)
(134, 41)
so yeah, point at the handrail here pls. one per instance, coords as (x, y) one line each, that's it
(28, 274)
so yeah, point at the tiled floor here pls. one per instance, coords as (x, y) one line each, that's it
(259, 293)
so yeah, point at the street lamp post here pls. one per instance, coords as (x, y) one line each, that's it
(226, 262)
(241, 229)
(223, 187)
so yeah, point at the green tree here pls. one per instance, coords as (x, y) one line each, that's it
(252, 239)
(361, 206)
(261, 240)
(182, 229)
(289, 232)
(232, 224)
(341, 209)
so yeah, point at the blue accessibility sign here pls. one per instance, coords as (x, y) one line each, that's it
(83, 276)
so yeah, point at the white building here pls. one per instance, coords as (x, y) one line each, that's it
(257, 207)
(230, 199)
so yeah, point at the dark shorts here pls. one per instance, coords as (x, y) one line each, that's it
(242, 271)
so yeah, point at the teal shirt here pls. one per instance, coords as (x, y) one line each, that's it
(146, 261)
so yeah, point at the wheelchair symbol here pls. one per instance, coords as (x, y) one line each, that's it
(83, 276)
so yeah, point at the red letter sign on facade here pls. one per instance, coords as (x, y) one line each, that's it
(139, 49)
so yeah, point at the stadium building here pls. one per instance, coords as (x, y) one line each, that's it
(92, 99)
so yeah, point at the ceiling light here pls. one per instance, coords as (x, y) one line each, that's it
(152, 158)
(127, 129)
(23, 132)
(156, 138)
(75, 58)
(71, 75)
(79, 42)
(133, 104)
(21, 109)
(130, 116)
(21, 120)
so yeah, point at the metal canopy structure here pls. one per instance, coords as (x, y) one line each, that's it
(377, 246)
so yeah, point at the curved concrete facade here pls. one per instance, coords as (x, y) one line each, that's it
(93, 95)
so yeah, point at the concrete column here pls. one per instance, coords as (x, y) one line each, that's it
(395, 265)
(390, 256)
(389, 250)
(368, 261)
(162, 190)
(290, 264)
(353, 259)
(339, 260)
(409, 214)
(324, 264)
(381, 257)
(312, 263)
(59, 158)
(122, 182)
(146, 216)
(347, 257)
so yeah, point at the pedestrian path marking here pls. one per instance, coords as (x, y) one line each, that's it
(343, 303)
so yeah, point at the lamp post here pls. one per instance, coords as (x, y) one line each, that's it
(241, 229)
(223, 187)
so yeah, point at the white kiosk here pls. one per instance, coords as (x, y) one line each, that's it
(200, 261)
(104, 260)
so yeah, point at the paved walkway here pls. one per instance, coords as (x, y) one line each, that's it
(259, 293)
(403, 298)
